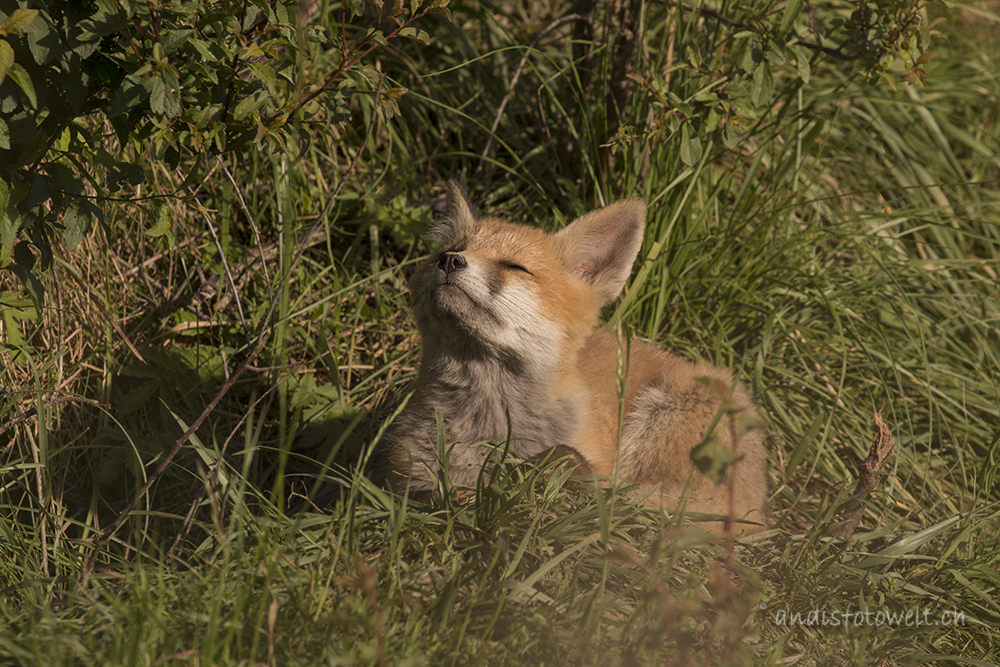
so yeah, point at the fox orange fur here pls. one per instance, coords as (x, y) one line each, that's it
(508, 315)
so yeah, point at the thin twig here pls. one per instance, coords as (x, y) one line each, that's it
(882, 447)
(517, 75)
(31, 412)
(111, 320)
(134, 269)
(225, 268)
(259, 257)
(233, 67)
(246, 212)
(60, 318)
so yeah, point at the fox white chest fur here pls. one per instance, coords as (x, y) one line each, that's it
(507, 317)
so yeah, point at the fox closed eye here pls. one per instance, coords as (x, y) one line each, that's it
(515, 267)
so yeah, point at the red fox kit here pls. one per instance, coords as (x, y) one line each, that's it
(507, 317)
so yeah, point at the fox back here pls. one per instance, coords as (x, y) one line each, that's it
(507, 316)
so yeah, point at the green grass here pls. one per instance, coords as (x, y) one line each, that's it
(843, 258)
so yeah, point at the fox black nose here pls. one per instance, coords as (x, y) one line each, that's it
(450, 261)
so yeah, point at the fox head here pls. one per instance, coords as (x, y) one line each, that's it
(513, 292)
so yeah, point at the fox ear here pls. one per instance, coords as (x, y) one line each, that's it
(600, 247)
(459, 220)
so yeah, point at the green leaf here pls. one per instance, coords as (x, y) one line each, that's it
(686, 149)
(792, 11)
(23, 256)
(737, 89)
(763, 84)
(731, 136)
(440, 9)
(95, 211)
(13, 312)
(6, 58)
(33, 142)
(124, 172)
(23, 81)
(4, 135)
(744, 109)
(802, 62)
(209, 52)
(10, 222)
(76, 88)
(266, 74)
(776, 52)
(162, 226)
(85, 37)
(249, 105)
(16, 309)
(690, 146)
(41, 191)
(712, 458)
(413, 33)
(77, 221)
(175, 39)
(43, 40)
(65, 178)
(748, 62)
(712, 122)
(130, 94)
(136, 398)
(17, 21)
(396, 92)
(164, 93)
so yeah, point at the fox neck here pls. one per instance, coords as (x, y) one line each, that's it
(493, 396)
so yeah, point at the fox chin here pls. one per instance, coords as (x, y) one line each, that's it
(511, 351)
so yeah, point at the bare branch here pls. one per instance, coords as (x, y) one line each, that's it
(882, 447)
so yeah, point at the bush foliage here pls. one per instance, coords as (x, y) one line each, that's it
(192, 79)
